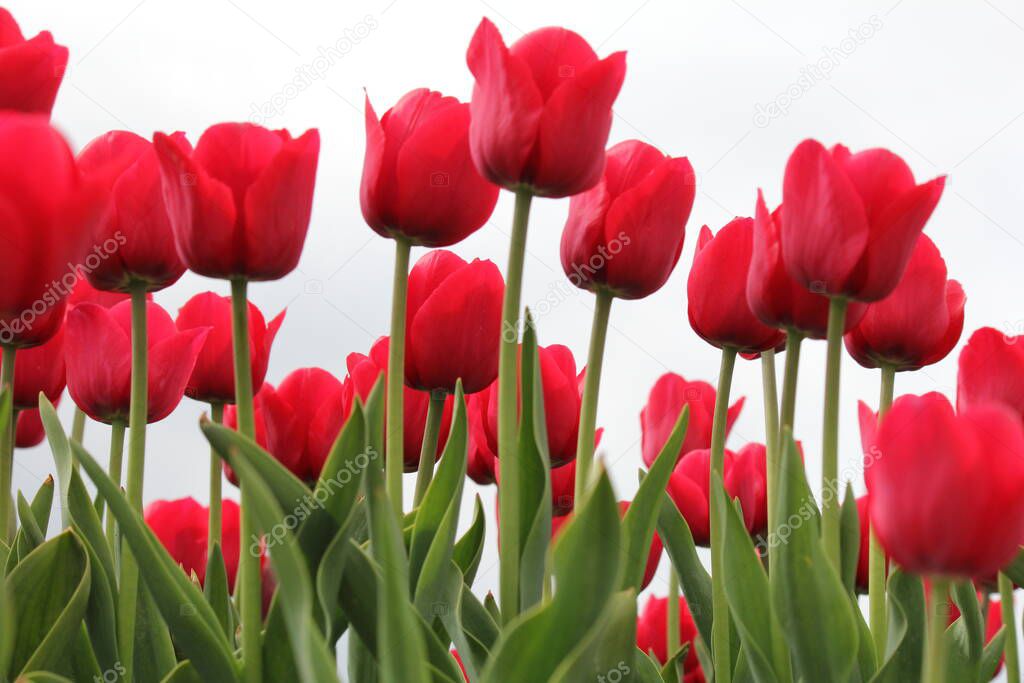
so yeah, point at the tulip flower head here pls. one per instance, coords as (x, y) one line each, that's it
(29, 431)
(30, 70)
(991, 370)
(652, 635)
(40, 369)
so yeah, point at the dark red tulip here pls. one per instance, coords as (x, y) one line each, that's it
(182, 527)
(99, 359)
(625, 234)
(541, 109)
(213, 379)
(563, 489)
(453, 323)
(666, 400)
(919, 323)
(864, 554)
(992, 371)
(773, 295)
(134, 238)
(419, 181)
(39, 369)
(481, 465)
(850, 221)
(29, 431)
(717, 291)
(652, 635)
(945, 487)
(48, 216)
(240, 202)
(30, 70)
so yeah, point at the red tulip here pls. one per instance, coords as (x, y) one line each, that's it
(919, 323)
(182, 528)
(626, 233)
(29, 431)
(30, 70)
(419, 181)
(213, 379)
(945, 487)
(453, 323)
(85, 292)
(481, 465)
(717, 291)
(746, 479)
(39, 369)
(240, 203)
(773, 295)
(563, 489)
(135, 233)
(850, 221)
(99, 359)
(667, 398)
(864, 555)
(991, 371)
(541, 109)
(48, 216)
(652, 635)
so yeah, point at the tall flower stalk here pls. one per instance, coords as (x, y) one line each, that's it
(720, 626)
(876, 555)
(216, 477)
(771, 437)
(114, 467)
(394, 459)
(591, 389)
(7, 447)
(830, 431)
(428, 449)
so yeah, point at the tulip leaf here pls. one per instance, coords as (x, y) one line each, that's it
(647, 670)
(696, 581)
(671, 671)
(184, 672)
(358, 595)
(907, 629)
(42, 677)
(607, 648)
(8, 627)
(86, 523)
(992, 656)
(849, 539)
(154, 653)
(217, 592)
(341, 477)
(329, 580)
(965, 637)
(1015, 570)
(478, 623)
(810, 599)
(61, 449)
(470, 548)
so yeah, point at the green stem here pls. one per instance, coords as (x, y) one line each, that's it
(788, 413)
(876, 555)
(1010, 622)
(721, 649)
(249, 580)
(137, 419)
(771, 439)
(114, 468)
(508, 412)
(395, 457)
(428, 450)
(78, 426)
(830, 438)
(591, 389)
(216, 475)
(938, 614)
(7, 449)
(672, 630)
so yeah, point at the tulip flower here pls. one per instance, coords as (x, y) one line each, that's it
(84, 292)
(563, 489)
(135, 231)
(652, 635)
(945, 487)
(419, 182)
(653, 556)
(239, 204)
(29, 431)
(863, 555)
(918, 324)
(664, 403)
(746, 479)
(625, 234)
(100, 382)
(39, 369)
(541, 109)
(992, 371)
(30, 70)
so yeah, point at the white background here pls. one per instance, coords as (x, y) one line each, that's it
(938, 82)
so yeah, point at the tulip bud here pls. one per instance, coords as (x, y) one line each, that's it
(30, 70)
(181, 527)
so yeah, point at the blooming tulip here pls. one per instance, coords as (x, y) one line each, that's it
(850, 221)
(992, 371)
(918, 324)
(213, 379)
(716, 291)
(135, 230)
(453, 323)
(666, 400)
(39, 369)
(98, 347)
(239, 203)
(626, 233)
(30, 70)
(541, 109)
(945, 487)
(652, 635)
(419, 181)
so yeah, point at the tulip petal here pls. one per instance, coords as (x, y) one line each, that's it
(170, 364)
(99, 383)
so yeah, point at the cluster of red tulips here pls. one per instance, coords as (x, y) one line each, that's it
(322, 544)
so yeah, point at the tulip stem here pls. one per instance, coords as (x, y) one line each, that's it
(830, 437)
(78, 426)
(1010, 622)
(508, 412)
(114, 468)
(672, 614)
(394, 461)
(877, 569)
(428, 450)
(788, 412)
(591, 389)
(137, 419)
(249, 589)
(721, 650)
(938, 615)
(216, 474)
(771, 438)
(7, 447)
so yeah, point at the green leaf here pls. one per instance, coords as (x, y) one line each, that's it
(470, 548)
(8, 627)
(341, 477)
(329, 580)
(696, 581)
(183, 673)
(867, 660)
(849, 540)
(647, 669)
(965, 638)
(61, 449)
(671, 672)
(1015, 570)
(217, 592)
(606, 650)
(154, 653)
(992, 656)
(907, 629)
(42, 677)
(642, 515)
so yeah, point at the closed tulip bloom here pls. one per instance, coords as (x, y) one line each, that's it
(652, 635)
(213, 378)
(134, 233)
(99, 360)
(30, 70)
(945, 488)
(666, 400)
(625, 234)
(39, 369)
(717, 291)
(653, 556)
(481, 464)
(918, 324)
(181, 527)
(746, 479)
(277, 430)
(850, 221)
(419, 181)
(240, 202)
(29, 431)
(453, 323)
(992, 371)
(541, 109)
